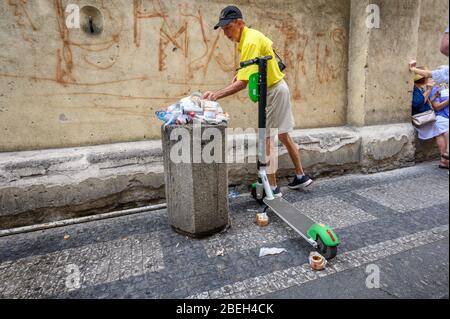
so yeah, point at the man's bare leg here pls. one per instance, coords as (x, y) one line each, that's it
(271, 177)
(301, 180)
(294, 154)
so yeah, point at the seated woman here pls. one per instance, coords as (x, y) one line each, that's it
(439, 101)
(421, 103)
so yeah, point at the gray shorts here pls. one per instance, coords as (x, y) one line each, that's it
(279, 111)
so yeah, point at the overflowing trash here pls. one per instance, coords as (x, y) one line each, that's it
(193, 109)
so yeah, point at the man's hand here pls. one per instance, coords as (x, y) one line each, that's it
(412, 64)
(209, 95)
(430, 83)
(237, 86)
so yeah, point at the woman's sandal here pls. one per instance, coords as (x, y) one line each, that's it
(445, 157)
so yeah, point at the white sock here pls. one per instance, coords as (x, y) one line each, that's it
(273, 187)
(300, 176)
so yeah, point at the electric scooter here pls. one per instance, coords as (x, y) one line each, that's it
(319, 235)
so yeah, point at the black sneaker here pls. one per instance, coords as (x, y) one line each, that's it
(297, 183)
(277, 192)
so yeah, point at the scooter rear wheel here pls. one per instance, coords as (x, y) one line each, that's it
(326, 251)
(253, 193)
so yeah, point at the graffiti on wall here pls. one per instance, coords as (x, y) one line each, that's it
(64, 55)
(176, 34)
(318, 57)
(23, 18)
(183, 46)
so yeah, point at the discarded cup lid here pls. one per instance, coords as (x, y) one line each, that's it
(262, 219)
(317, 261)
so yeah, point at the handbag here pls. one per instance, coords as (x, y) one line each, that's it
(424, 118)
(281, 64)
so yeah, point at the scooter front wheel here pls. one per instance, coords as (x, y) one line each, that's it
(326, 251)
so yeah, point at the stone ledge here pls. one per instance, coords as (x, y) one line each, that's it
(426, 150)
(47, 185)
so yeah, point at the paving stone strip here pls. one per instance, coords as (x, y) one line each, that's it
(97, 264)
(282, 279)
(376, 216)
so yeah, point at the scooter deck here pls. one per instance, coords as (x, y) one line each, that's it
(291, 215)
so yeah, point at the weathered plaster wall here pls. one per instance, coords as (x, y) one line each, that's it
(380, 84)
(48, 185)
(389, 81)
(62, 87)
(433, 21)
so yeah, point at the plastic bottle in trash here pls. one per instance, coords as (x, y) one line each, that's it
(169, 117)
(163, 116)
(176, 114)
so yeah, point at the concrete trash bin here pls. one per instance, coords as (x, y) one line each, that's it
(196, 178)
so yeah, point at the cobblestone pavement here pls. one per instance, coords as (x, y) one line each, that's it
(395, 222)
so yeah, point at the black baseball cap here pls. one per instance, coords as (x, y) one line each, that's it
(227, 15)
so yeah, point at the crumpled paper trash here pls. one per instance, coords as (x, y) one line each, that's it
(220, 252)
(270, 251)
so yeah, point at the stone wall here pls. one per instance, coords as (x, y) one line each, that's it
(433, 21)
(78, 133)
(48, 185)
(66, 87)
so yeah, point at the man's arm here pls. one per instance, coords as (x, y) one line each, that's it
(425, 73)
(231, 89)
(413, 68)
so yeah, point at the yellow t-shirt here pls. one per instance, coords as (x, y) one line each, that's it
(254, 44)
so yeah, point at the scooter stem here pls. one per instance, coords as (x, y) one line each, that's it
(263, 176)
(262, 103)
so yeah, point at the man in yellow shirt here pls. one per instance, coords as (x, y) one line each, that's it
(253, 44)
